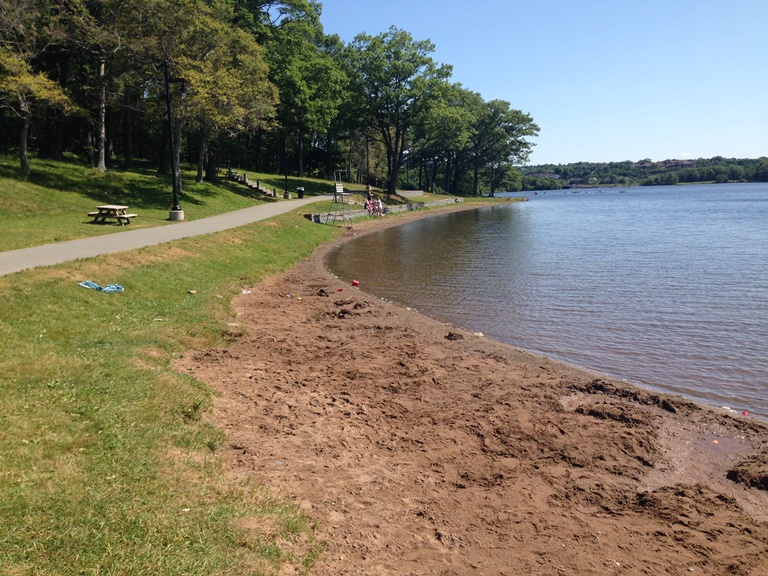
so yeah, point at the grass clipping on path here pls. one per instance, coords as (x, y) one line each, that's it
(107, 463)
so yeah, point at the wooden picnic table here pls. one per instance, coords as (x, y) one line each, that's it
(109, 211)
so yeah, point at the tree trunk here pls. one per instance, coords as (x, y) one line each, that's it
(110, 140)
(448, 169)
(127, 132)
(392, 183)
(162, 158)
(177, 129)
(367, 160)
(492, 193)
(456, 177)
(433, 178)
(394, 162)
(212, 167)
(257, 147)
(329, 156)
(101, 129)
(53, 144)
(300, 153)
(23, 145)
(201, 151)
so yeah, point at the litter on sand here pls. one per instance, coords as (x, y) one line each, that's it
(107, 288)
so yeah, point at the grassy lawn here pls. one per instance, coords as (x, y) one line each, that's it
(108, 463)
(51, 205)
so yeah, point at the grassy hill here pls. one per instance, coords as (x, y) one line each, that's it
(51, 205)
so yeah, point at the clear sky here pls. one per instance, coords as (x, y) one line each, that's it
(605, 80)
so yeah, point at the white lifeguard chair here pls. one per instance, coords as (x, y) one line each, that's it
(340, 198)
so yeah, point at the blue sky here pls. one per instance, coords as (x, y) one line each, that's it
(604, 80)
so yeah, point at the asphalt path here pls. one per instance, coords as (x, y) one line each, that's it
(51, 254)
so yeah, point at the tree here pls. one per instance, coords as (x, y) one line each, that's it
(761, 173)
(477, 137)
(370, 106)
(25, 33)
(264, 17)
(502, 176)
(499, 137)
(443, 132)
(172, 34)
(229, 91)
(396, 82)
(310, 80)
(105, 28)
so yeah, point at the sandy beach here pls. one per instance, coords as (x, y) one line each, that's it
(423, 448)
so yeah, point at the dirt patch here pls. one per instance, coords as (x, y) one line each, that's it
(421, 448)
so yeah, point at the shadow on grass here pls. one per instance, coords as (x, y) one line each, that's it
(141, 187)
(138, 187)
(312, 187)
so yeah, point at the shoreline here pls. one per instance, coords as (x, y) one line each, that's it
(721, 382)
(421, 448)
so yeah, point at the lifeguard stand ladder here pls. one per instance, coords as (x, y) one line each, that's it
(339, 197)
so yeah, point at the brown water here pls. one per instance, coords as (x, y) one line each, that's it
(664, 287)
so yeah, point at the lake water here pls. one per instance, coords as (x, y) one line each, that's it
(666, 287)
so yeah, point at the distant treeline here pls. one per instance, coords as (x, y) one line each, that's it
(645, 173)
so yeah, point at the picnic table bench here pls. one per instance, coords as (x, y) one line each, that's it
(110, 211)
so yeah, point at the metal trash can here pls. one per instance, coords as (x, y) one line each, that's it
(300, 192)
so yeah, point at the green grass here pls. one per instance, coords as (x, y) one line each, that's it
(108, 461)
(51, 205)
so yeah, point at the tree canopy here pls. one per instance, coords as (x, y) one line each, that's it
(396, 83)
(266, 89)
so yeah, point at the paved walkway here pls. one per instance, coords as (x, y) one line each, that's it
(50, 254)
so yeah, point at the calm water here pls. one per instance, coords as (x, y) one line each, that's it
(665, 287)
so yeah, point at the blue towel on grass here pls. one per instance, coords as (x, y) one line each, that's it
(107, 288)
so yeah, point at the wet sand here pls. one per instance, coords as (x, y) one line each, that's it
(422, 448)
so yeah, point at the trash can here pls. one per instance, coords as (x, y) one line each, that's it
(300, 192)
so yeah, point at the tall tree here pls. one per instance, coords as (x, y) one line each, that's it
(311, 82)
(25, 32)
(444, 132)
(397, 81)
(499, 136)
(105, 30)
(229, 88)
(172, 34)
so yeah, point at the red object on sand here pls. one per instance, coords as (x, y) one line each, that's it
(355, 283)
(339, 289)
